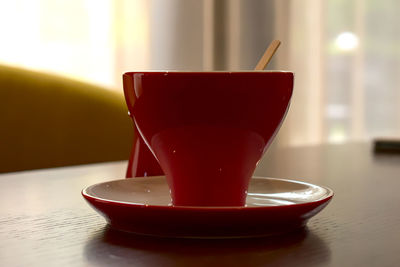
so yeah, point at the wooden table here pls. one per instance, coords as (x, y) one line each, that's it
(44, 221)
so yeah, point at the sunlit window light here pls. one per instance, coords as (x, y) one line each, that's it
(346, 41)
(88, 40)
(337, 135)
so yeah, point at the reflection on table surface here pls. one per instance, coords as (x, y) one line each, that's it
(303, 246)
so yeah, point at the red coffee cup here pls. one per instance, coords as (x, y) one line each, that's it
(207, 130)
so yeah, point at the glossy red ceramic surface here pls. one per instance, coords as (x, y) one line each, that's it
(207, 130)
(143, 206)
(141, 161)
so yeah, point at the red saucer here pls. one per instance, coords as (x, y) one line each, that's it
(143, 206)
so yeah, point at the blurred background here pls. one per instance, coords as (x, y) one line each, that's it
(345, 53)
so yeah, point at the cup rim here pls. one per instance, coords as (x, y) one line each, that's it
(209, 71)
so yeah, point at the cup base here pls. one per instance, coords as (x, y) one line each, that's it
(208, 165)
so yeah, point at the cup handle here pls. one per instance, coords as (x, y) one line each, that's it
(141, 161)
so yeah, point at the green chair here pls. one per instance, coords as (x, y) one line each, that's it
(49, 121)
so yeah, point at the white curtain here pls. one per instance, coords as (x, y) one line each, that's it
(299, 25)
(345, 54)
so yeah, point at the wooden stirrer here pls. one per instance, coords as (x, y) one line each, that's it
(266, 58)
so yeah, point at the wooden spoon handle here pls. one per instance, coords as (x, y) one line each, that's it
(266, 58)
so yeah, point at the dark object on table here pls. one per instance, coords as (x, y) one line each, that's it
(391, 146)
